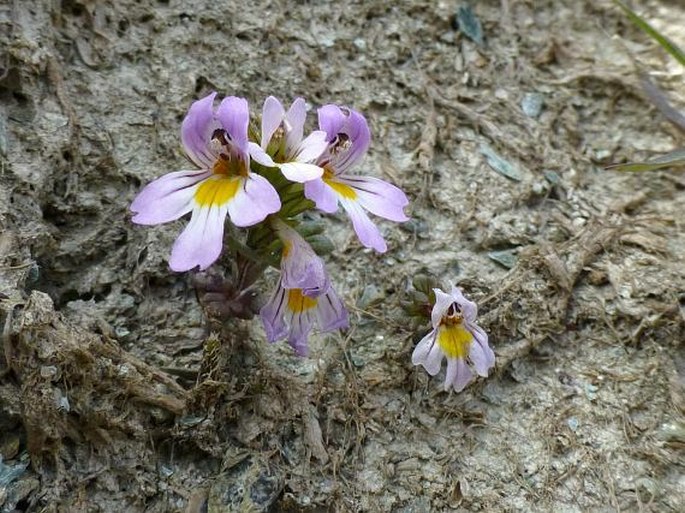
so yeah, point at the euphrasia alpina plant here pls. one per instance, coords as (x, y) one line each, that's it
(454, 336)
(263, 181)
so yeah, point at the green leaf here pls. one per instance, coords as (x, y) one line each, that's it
(321, 244)
(672, 159)
(665, 43)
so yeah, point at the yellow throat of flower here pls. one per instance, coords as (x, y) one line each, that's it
(217, 190)
(298, 302)
(342, 189)
(453, 338)
(222, 186)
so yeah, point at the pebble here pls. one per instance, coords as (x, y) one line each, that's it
(531, 104)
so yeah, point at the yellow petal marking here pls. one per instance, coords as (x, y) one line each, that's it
(340, 188)
(298, 302)
(454, 339)
(287, 246)
(217, 190)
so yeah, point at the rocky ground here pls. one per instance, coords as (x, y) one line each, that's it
(118, 394)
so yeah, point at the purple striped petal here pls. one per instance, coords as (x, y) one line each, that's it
(357, 130)
(234, 116)
(272, 315)
(469, 308)
(331, 120)
(484, 361)
(458, 375)
(368, 233)
(479, 359)
(434, 359)
(196, 131)
(423, 351)
(301, 267)
(334, 121)
(331, 312)
(378, 197)
(442, 303)
(167, 198)
(322, 195)
(256, 198)
(201, 242)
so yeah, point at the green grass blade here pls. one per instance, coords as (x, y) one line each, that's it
(665, 43)
(674, 158)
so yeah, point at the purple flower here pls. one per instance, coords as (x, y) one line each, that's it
(348, 139)
(457, 337)
(216, 142)
(294, 156)
(302, 268)
(291, 314)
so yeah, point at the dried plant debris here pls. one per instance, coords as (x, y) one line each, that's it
(663, 41)
(673, 159)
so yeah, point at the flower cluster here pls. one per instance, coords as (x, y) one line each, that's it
(263, 182)
(457, 337)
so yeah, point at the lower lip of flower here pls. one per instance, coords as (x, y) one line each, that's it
(342, 189)
(454, 339)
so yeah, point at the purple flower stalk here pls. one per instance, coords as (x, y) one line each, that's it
(457, 337)
(294, 158)
(292, 314)
(301, 267)
(348, 137)
(216, 143)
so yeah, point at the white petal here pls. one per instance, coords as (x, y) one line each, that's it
(201, 242)
(300, 172)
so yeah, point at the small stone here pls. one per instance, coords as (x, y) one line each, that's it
(371, 296)
(506, 258)
(121, 332)
(48, 371)
(469, 24)
(531, 104)
(62, 401)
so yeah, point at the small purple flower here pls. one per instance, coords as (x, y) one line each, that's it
(301, 267)
(457, 337)
(216, 142)
(291, 314)
(294, 158)
(348, 139)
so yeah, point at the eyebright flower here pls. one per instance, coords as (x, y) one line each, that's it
(291, 313)
(348, 136)
(216, 142)
(457, 337)
(293, 156)
(301, 267)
